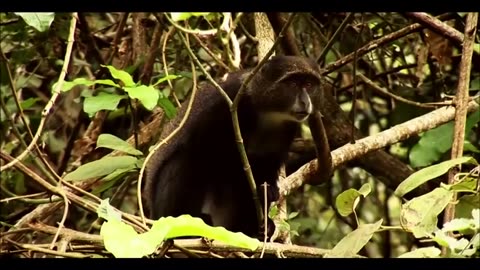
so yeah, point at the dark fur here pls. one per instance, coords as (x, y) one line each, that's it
(203, 156)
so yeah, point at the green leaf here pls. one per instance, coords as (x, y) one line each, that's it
(182, 16)
(102, 101)
(434, 143)
(365, 189)
(109, 181)
(147, 95)
(468, 146)
(459, 224)
(186, 225)
(101, 167)
(466, 204)
(425, 252)
(273, 211)
(38, 20)
(353, 242)
(122, 240)
(447, 241)
(106, 211)
(475, 83)
(169, 77)
(419, 215)
(292, 215)
(26, 104)
(67, 86)
(418, 178)
(348, 200)
(121, 75)
(467, 183)
(168, 107)
(113, 142)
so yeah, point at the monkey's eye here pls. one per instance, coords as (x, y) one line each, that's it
(307, 85)
(293, 84)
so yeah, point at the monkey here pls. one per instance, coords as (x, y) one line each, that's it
(200, 172)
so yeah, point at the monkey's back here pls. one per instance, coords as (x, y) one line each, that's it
(199, 171)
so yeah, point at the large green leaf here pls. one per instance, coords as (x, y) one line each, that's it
(101, 167)
(121, 75)
(169, 77)
(168, 107)
(124, 242)
(419, 215)
(418, 178)
(113, 142)
(102, 101)
(147, 95)
(38, 20)
(466, 204)
(353, 242)
(434, 143)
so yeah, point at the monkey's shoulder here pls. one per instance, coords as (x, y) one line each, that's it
(208, 118)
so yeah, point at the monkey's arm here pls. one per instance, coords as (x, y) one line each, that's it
(322, 148)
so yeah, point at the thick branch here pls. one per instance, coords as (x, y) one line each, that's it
(363, 146)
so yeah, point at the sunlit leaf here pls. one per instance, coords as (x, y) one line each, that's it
(67, 86)
(38, 20)
(147, 95)
(467, 183)
(419, 215)
(418, 178)
(169, 77)
(459, 224)
(124, 242)
(113, 142)
(102, 101)
(105, 210)
(101, 167)
(353, 242)
(347, 200)
(121, 75)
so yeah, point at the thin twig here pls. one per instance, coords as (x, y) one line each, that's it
(372, 45)
(461, 105)
(384, 91)
(335, 35)
(116, 39)
(165, 65)
(164, 141)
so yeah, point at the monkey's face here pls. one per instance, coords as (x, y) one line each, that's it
(290, 99)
